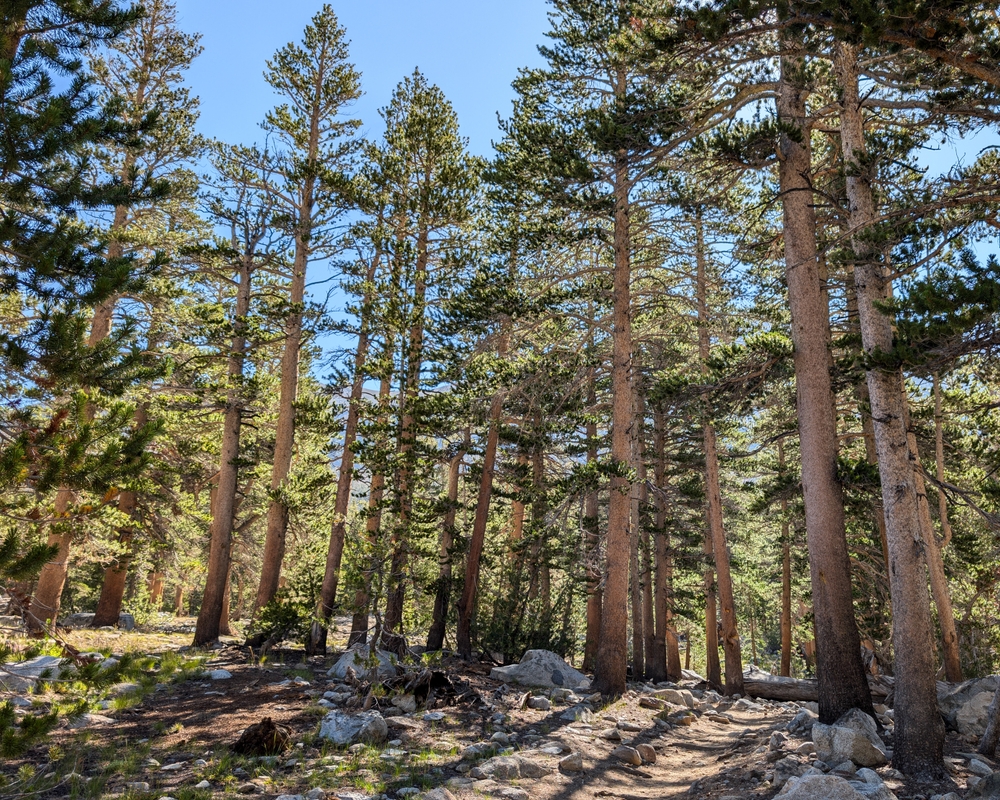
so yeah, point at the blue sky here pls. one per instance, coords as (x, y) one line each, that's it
(472, 50)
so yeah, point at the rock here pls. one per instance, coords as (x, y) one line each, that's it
(572, 763)
(627, 754)
(433, 716)
(806, 748)
(951, 698)
(203, 785)
(85, 620)
(819, 787)
(853, 737)
(977, 767)
(357, 659)
(802, 722)
(121, 689)
(652, 702)
(137, 786)
(542, 668)
(21, 676)
(776, 741)
(785, 770)
(578, 713)
(406, 703)
(343, 728)
(677, 697)
(611, 734)
(88, 721)
(505, 768)
(220, 674)
(249, 788)
(512, 793)
(290, 797)
(986, 789)
(539, 703)
(949, 796)
(971, 718)
(438, 794)
(315, 794)
(646, 753)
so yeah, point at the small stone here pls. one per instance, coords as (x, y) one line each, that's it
(249, 788)
(433, 716)
(175, 767)
(315, 794)
(199, 763)
(572, 763)
(203, 785)
(806, 748)
(406, 791)
(977, 767)
(611, 734)
(441, 793)
(539, 703)
(512, 793)
(406, 703)
(631, 727)
(500, 738)
(646, 753)
(137, 786)
(627, 754)
(220, 674)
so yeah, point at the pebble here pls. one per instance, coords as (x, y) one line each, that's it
(137, 786)
(539, 703)
(646, 753)
(611, 734)
(220, 674)
(175, 767)
(433, 716)
(203, 785)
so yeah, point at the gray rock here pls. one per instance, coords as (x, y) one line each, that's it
(971, 718)
(88, 721)
(290, 797)
(137, 786)
(85, 620)
(627, 754)
(220, 674)
(951, 698)
(438, 794)
(315, 794)
(647, 753)
(977, 767)
(121, 689)
(512, 793)
(677, 697)
(23, 675)
(542, 668)
(357, 659)
(819, 787)
(802, 722)
(611, 734)
(406, 703)
(578, 713)
(342, 728)
(505, 768)
(572, 763)
(986, 789)
(854, 737)
(785, 770)
(203, 785)
(539, 703)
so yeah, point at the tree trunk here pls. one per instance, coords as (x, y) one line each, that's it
(635, 539)
(179, 600)
(713, 493)
(156, 589)
(224, 627)
(439, 619)
(840, 673)
(467, 603)
(44, 606)
(284, 440)
(786, 579)
(935, 565)
(666, 663)
(991, 736)
(946, 532)
(376, 494)
(919, 743)
(207, 628)
(338, 532)
(592, 539)
(609, 668)
(109, 605)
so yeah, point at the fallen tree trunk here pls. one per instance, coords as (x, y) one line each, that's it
(805, 689)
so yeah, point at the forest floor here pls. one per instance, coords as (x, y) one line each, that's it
(173, 739)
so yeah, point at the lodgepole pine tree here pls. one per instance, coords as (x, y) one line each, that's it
(318, 83)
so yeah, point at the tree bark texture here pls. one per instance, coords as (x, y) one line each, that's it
(609, 667)
(840, 672)
(919, 742)
(442, 597)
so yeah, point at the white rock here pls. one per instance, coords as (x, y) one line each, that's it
(21, 676)
(539, 703)
(542, 668)
(406, 703)
(203, 785)
(853, 737)
(220, 674)
(343, 728)
(137, 786)
(572, 763)
(88, 720)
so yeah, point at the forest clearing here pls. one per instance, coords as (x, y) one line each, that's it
(650, 452)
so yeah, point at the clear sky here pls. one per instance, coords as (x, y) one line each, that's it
(472, 50)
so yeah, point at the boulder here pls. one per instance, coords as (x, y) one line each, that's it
(85, 620)
(23, 675)
(854, 737)
(357, 659)
(972, 716)
(627, 754)
(987, 789)
(677, 697)
(542, 668)
(785, 770)
(952, 697)
(572, 763)
(343, 728)
(814, 787)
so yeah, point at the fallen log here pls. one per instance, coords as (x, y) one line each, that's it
(773, 687)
